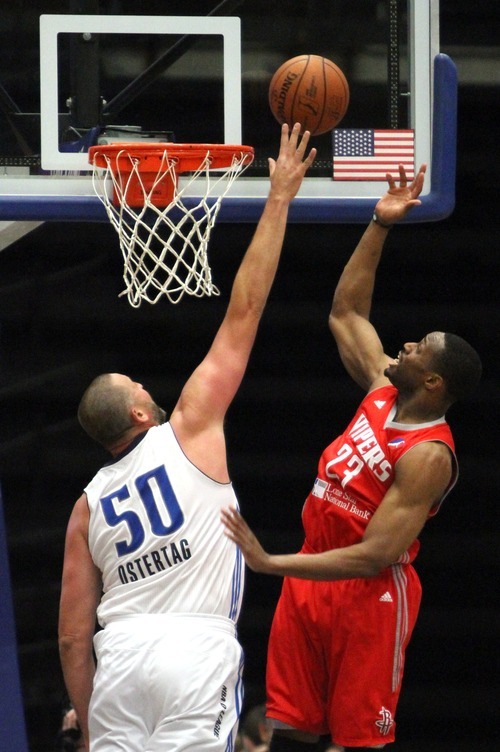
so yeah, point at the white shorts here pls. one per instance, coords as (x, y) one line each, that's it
(166, 684)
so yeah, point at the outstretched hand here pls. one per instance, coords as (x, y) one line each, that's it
(399, 199)
(287, 172)
(238, 531)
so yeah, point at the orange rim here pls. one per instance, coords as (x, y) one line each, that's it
(149, 157)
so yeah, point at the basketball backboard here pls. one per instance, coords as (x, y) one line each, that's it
(78, 72)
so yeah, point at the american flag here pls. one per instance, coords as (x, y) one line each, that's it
(367, 154)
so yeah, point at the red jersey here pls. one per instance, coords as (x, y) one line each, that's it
(356, 470)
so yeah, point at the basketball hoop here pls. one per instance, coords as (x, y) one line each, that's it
(164, 229)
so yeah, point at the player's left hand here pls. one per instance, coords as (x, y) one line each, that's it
(399, 199)
(238, 531)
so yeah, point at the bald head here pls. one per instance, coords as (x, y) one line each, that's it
(104, 410)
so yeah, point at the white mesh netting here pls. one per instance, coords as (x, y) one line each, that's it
(165, 248)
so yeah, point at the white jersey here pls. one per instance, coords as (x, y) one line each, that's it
(156, 536)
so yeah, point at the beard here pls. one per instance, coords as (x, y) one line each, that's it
(158, 413)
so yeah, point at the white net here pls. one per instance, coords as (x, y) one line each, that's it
(164, 248)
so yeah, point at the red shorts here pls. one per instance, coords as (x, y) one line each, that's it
(336, 654)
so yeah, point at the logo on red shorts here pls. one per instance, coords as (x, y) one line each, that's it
(385, 724)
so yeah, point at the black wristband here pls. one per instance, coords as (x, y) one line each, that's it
(377, 221)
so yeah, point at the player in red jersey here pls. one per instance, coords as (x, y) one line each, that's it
(350, 598)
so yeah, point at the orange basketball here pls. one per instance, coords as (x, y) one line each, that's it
(310, 90)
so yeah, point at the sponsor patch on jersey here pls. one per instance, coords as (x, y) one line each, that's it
(319, 488)
(396, 442)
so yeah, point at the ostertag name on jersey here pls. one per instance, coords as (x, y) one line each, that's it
(153, 562)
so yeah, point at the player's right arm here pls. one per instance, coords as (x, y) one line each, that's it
(198, 417)
(422, 477)
(80, 595)
(359, 345)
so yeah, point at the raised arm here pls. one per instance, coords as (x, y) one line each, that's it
(359, 346)
(211, 388)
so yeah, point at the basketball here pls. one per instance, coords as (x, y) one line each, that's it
(310, 90)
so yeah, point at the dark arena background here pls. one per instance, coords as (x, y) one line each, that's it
(62, 323)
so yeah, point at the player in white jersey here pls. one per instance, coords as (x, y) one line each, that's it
(145, 551)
